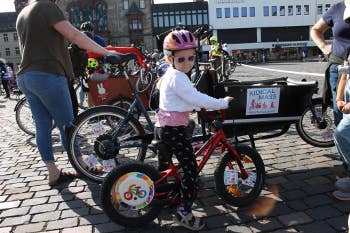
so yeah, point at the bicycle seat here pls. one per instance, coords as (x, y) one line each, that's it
(118, 59)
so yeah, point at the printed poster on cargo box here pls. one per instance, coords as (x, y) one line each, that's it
(262, 100)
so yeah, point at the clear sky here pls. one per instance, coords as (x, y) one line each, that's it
(8, 6)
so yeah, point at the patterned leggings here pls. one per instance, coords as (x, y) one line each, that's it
(174, 138)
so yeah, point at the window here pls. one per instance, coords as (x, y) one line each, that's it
(6, 38)
(218, 13)
(235, 12)
(274, 10)
(306, 9)
(17, 50)
(142, 4)
(319, 9)
(244, 11)
(227, 13)
(7, 52)
(266, 11)
(298, 9)
(126, 4)
(155, 20)
(327, 7)
(290, 10)
(194, 18)
(166, 19)
(282, 11)
(252, 11)
(15, 37)
(135, 24)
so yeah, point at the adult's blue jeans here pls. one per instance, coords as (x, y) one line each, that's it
(49, 99)
(333, 81)
(342, 132)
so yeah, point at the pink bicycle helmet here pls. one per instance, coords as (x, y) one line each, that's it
(179, 40)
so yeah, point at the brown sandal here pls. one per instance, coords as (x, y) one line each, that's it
(63, 177)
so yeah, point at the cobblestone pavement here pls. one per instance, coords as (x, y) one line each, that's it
(296, 198)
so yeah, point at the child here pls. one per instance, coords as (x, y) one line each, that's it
(177, 98)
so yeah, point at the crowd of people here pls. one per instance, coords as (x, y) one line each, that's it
(46, 72)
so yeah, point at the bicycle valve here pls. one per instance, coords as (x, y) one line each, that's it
(343, 69)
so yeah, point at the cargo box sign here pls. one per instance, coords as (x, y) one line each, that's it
(262, 100)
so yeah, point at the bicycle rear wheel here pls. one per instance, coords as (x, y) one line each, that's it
(145, 82)
(91, 139)
(24, 117)
(232, 185)
(315, 133)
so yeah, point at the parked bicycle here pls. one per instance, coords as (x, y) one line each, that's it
(239, 178)
(110, 133)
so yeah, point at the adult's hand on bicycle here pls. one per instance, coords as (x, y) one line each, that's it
(340, 105)
(344, 107)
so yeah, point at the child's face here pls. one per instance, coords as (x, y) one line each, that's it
(184, 60)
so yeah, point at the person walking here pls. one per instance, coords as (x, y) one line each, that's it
(4, 76)
(45, 73)
(337, 50)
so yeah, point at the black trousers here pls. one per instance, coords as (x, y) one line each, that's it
(6, 87)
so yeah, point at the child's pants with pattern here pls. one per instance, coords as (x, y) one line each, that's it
(174, 137)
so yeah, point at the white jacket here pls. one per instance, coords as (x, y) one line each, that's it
(178, 94)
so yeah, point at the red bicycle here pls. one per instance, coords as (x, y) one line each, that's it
(239, 178)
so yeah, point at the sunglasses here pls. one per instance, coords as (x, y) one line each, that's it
(183, 59)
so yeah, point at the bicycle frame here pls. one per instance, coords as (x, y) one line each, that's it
(206, 150)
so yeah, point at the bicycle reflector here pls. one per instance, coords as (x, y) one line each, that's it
(135, 190)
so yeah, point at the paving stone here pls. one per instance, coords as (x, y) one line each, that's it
(34, 227)
(61, 224)
(44, 217)
(13, 221)
(294, 219)
(323, 212)
(265, 225)
(319, 227)
(43, 208)
(108, 227)
(21, 196)
(14, 212)
(35, 201)
(9, 204)
(318, 200)
(237, 229)
(5, 229)
(85, 229)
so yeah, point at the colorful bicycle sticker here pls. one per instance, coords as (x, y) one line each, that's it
(251, 179)
(230, 177)
(134, 189)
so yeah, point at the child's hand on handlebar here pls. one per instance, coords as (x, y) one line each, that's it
(228, 99)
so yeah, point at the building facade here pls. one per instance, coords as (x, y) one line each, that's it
(168, 15)
(9, 48)
(279, 29)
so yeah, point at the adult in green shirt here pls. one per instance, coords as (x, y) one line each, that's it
(46, 71)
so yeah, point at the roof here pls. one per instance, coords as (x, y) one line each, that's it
(8, 21)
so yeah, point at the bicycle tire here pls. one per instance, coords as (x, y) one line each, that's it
(238, 195)
(83, 135)
(144, 83)
(114, 210)
(313, 134)
(24, 114)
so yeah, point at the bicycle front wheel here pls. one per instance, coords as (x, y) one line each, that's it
(239, 183)
(317, 130)
(94, 147)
